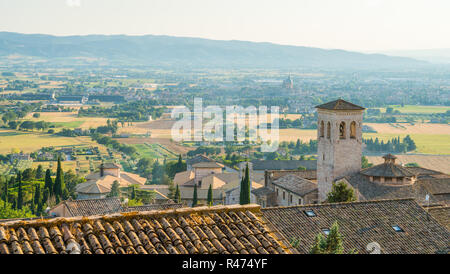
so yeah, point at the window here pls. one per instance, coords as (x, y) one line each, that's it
(397, 228)
(290, 198)
(328, 130)
(200, 183)
(326, 231)
(353, 130)
(342, 130)
(277, 192)
(310, 213)
(299, 201)
(284, 195)
(322, 129)
(323, 157)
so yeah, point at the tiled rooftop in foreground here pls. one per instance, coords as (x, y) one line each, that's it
(205, 230)
(361, 223)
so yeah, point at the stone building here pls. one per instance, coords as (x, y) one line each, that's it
(98, 184)
(287, 188)
(339, 138)
(339, 160)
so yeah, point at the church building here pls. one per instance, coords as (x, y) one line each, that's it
(339, 154)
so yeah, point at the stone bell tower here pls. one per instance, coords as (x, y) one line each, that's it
(339, 135)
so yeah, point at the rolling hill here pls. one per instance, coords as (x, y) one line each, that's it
(191, 52)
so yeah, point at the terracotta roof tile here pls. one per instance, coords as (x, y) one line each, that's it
(221, 229)
(361, 223)
(340, 105)
(88, 207)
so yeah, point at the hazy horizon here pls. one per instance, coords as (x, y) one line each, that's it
(355, 25)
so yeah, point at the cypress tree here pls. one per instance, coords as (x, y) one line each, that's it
(133, 192)
(59, 181)
(5, 192)
(245, 188)
(45, 195)
(32, 207)
(48, 181)
(115, 191)
(37, 194)
(179, 164)
(39, 172)
(177, 195)
(39, 208)
(20, 193)
(194, 199)
(210, 196)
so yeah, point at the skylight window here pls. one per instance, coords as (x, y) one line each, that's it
(397, 228)
(310, 213)
(326, 231)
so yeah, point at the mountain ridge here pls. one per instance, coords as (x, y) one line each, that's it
(190, 51)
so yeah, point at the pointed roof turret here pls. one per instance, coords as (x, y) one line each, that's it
(340, 104)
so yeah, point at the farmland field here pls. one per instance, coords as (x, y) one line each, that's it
(32, 141)
(172, 146)
(419, 109)
(68, 120)
(418, 128)
(66, 165)
(292, 134)
(154, 151)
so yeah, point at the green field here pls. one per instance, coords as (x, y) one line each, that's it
(33, 141)
(154, 151)
(418, 109)
(426, 143)
(73, 124)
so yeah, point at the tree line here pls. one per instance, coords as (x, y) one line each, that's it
(393, 145)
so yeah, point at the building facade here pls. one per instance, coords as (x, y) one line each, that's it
(339, 138)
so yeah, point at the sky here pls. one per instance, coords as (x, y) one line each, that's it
(361, 25)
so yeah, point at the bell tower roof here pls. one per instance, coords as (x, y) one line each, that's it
(339, 104)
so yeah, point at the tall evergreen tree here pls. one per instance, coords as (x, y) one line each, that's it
(179, 163)
(45, 195)
(245, 188)
(133, 192)
(59, 181)
(194, 199)
(5, 193)
(114, 189)
(210, 195)
(171, 193)
(19, 192)
(177, 195)
(37, 194)
(48, 180)
(39, 172)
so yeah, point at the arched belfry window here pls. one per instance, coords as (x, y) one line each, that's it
(328, 130)
(342, 130)
(353, 130)
(322, 129)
